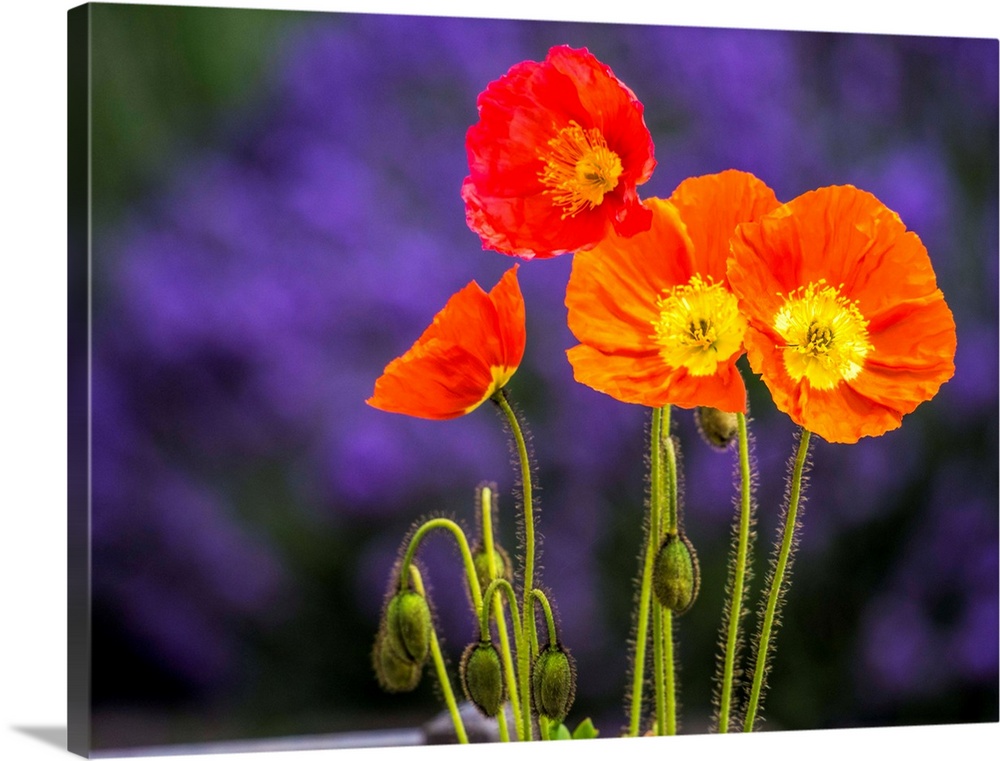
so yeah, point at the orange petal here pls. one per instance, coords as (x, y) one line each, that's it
(471, 348)
(509, 306)
(840, 415)
(442, 382)
(712, 206)
(613, 288)
(912, 357)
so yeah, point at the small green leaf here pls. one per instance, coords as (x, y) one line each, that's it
(561, 733)
(585, 730)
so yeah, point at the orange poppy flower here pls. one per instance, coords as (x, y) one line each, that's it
(654, 315)
(555, 158)
(469, 352)
(847, 325)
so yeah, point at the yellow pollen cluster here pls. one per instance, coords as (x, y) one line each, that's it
(826, 336)
(579, 168)
(699, 325)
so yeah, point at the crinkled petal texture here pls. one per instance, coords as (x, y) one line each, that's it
(847, 326)
(555, 158)
(470, 351)
(711, 206)
(656, 321)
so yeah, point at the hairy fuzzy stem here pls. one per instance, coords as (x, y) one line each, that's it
(550, 620)
(486, 506)
(669, 678)
(463, 546)
(671, 524)
(646, 585)
(527, 614)
(739, 576)
(439, 667)
(777, 580)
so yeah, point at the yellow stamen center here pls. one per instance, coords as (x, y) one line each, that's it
(579, 169)
(699, 326)
(826, 336)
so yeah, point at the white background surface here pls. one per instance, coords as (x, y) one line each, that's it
(33, 341)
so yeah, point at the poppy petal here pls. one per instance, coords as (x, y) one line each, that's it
(470, 350)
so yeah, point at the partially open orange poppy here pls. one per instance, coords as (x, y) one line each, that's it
(468, 353)
(555, 157)
(847, 326)
(654, 314)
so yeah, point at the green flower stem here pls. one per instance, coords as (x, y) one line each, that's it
(495, 586)
(646, 585)
(777, 580)
(527, 617)
(739, 577)
(489, 596)
(463, 546)
(670, 686)
(439, 667)
(484, 628)
(659, 671)
(550, 620)
(543, 728)
(668, 471)
(486, 497)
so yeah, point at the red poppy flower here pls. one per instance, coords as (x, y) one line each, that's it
(469, 352)
(555, 158)
(654, 315)
(847, 325)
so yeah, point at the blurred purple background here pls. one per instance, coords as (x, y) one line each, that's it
(248, 506)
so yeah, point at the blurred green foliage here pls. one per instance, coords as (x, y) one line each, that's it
(203, 62)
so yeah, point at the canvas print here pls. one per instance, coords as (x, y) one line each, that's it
(448, 380)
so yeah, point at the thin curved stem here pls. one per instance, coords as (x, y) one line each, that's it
(527, 618)
(550, 620)
(488, 596)
(739, 577)
(777, 579)
(439, 667)
(646, 584)
(463, 546)
(486, 506)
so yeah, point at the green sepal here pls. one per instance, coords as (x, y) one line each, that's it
(482, 677)
(716, 427)
(408, 626)
(676, 577)
(553, 682)
(393, 673)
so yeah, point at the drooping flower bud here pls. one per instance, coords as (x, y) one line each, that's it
(482, 562)
(717, 428)
(393, 673)
(482, 677)
(553, 682)
(408, 626)
(676, 577)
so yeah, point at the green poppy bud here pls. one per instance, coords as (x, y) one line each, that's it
(393, 673)
(675, 574)
(553, 682)
(482, 562)
(408, 626)
(718, 428)
(482, 677)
